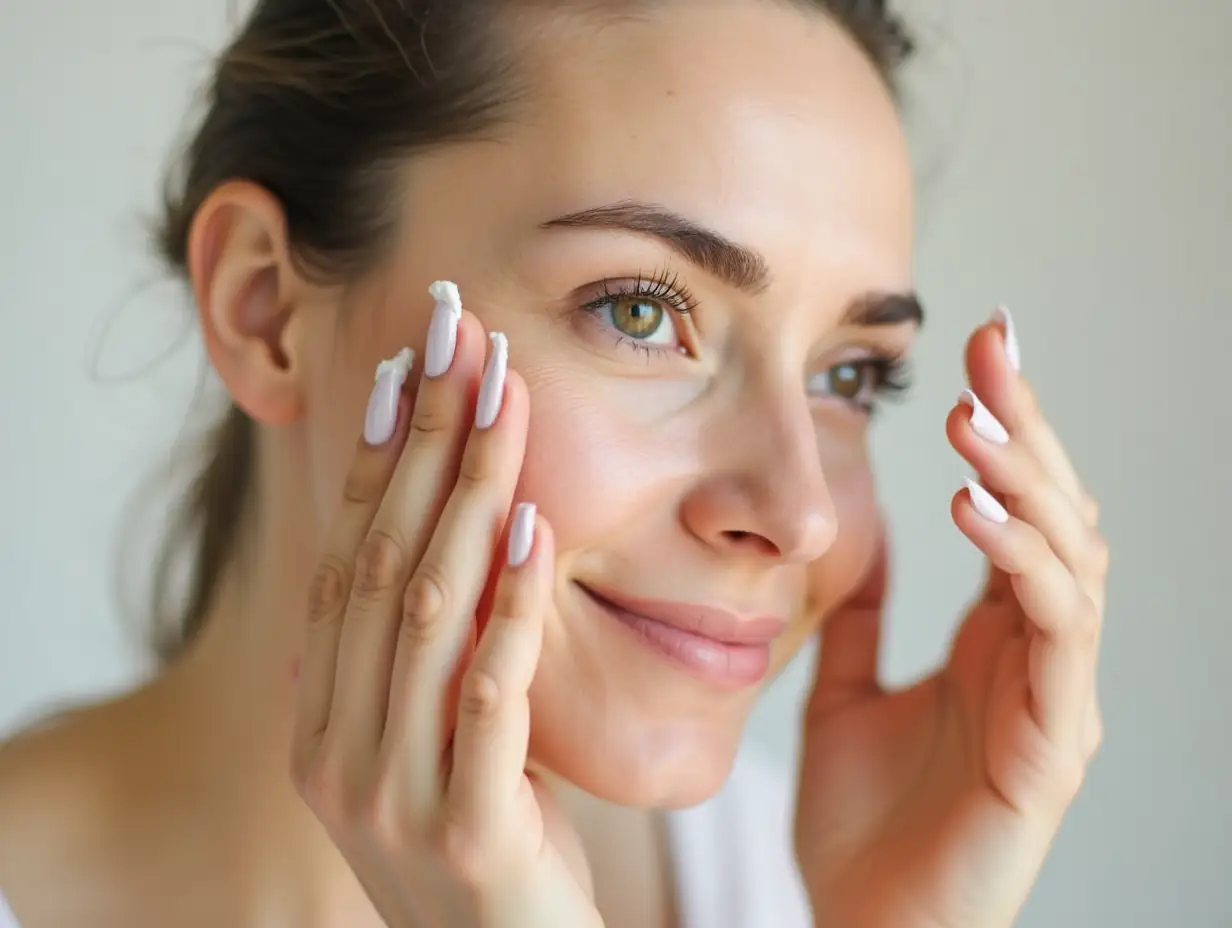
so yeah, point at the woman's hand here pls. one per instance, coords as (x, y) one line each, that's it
(411, 741)
(935, 806)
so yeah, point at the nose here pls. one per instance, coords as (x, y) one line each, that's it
(766, 495)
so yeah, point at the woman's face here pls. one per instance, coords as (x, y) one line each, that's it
(697, 237)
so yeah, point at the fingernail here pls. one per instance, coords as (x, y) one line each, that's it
(443, 329)
(382, 417)
(983, 422)
(522, 534)
(986, 504)
(1013, 353)
(492, 390)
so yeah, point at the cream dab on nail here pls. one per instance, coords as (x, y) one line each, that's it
(446, 292)
(399, 365)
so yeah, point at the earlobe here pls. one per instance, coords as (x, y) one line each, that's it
(247, 292)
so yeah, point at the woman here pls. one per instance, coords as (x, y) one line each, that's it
(525, 616)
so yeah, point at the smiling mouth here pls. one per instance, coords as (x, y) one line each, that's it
(711, 644)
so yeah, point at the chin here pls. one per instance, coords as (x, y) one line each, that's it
(663, 765)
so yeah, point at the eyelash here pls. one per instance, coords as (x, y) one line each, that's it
(664, 287)
(892, 379)
(892, 374)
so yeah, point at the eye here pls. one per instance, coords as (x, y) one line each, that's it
(860, 382)
(648, 315)
(639, 318)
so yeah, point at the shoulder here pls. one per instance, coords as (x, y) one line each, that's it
(57, 814)
(734, 853)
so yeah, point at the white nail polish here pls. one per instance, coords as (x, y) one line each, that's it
(983, 422)
(492, 389)
(1013, 353)
(986, 504)
(443, 329)
(381, 420)
(521, 534)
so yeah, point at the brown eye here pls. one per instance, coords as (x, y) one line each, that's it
(847, 381)
(853, 382)
(640, 319)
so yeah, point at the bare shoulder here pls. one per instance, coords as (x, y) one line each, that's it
(61, 799)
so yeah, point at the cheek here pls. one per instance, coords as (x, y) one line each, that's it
(591, 472)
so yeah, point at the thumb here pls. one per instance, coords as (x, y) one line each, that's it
(847, 668)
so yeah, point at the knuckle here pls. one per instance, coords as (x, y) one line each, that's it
(364, 485)
(328, 593)
(1070, 778)
(515, 598)
(379, 814)
(462, 853)
(1089, 508)
(378, 568)
(429, 425)
(481, 699)
(1099, 555)
(1086, 622)
(478, 467)
(425, 604)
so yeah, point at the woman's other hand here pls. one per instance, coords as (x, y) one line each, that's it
(936, 805)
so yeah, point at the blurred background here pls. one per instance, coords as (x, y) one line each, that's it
(1075, 162)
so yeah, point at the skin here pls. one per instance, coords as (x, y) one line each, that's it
(712, 475)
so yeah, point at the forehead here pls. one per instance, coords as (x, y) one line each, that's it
(760, 118)
(757, 118)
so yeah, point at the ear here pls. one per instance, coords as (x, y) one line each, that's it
(249, 298)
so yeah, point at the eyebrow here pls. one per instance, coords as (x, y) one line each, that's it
(878, 309)
(741, 267)
(737, 265)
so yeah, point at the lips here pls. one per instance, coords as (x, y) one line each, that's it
(712, 643)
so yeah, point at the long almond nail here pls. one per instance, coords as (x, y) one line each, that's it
(983, 422)
(522, 534)
(1013, 353)
(382, 417)
(986, 504)
(492, 390)
(443, 329)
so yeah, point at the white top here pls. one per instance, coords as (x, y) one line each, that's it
(732, 855)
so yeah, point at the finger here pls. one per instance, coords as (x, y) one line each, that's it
(439, 610)
(847, 667)
(365, 485)
(1011, 398)
(1009, 468)
(493, 732)
(400, 531)
(1061, 616)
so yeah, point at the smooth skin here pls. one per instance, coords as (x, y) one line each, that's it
(728, 470)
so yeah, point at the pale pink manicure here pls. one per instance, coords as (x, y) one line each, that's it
(522, 534)
(1013, 353)
(382, 417)
(986, 504)
(443, 329)
(492, 390)
(983, 422)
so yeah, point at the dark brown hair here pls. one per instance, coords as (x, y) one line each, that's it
(318, 101)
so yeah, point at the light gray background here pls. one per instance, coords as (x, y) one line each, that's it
(1074, 159)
